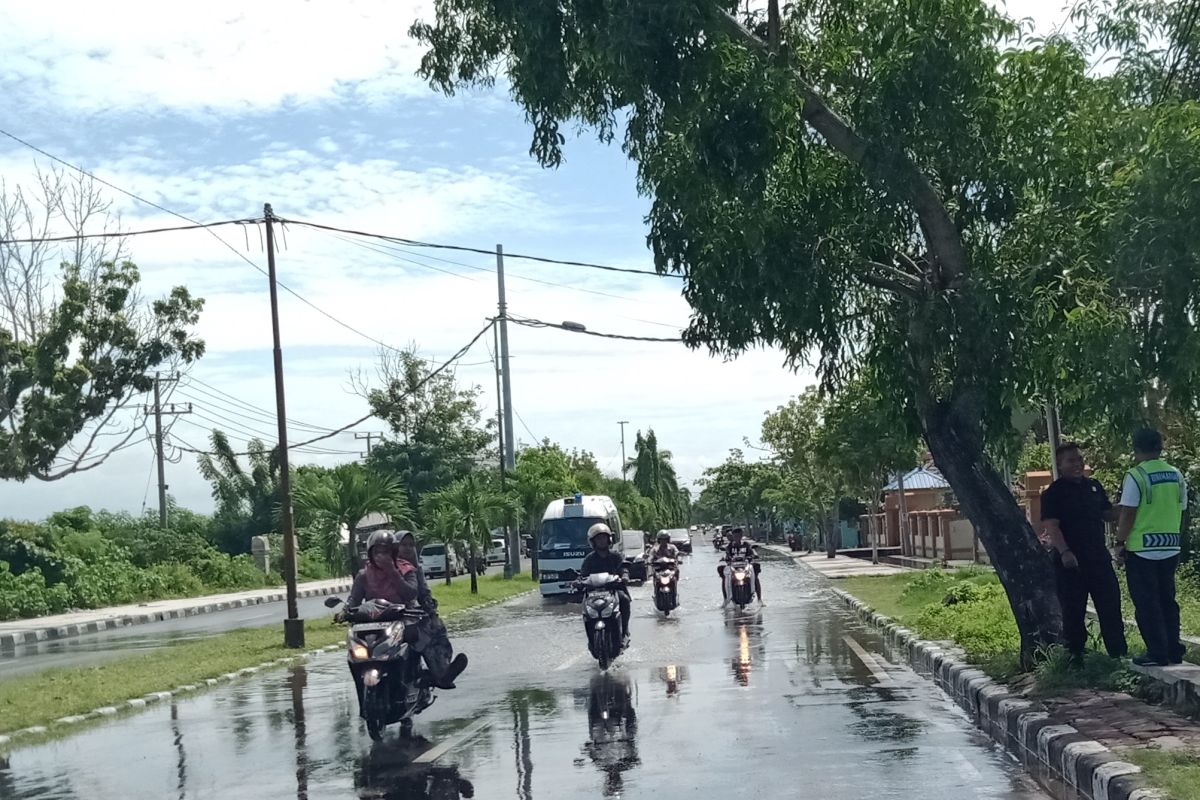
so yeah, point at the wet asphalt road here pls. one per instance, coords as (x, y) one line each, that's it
(794, 701)
(97, 647)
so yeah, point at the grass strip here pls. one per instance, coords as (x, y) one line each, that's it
(41, 697)
(1176, 773)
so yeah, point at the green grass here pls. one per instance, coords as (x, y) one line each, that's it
(42, 697)
(1176, 773)
(981, 622)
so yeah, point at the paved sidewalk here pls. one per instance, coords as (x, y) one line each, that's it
(61, 626)
(838, 566)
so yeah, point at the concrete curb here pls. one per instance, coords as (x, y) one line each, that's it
(1064, 762)
(10, 641)
(138, 703)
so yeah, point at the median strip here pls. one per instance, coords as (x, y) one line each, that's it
(39, 703)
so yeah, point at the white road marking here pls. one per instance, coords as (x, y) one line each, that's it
(437, 751)
(868, 661)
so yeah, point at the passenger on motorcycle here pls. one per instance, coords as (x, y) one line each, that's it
(603, 559)
(392, 574)
(739, 550)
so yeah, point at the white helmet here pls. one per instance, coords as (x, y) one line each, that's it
(598, 529)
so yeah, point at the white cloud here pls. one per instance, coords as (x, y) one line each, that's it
(221, 55)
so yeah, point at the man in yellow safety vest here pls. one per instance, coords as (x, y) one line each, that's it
(1153, 498)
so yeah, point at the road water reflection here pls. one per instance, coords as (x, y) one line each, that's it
(769, 703)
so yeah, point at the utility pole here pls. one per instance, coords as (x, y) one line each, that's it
(510, 455)
(623, 423)
(293, 626)
(1054, 435)
(369, 437)
(158, 411)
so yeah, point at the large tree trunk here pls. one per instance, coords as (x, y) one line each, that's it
(1021, 563)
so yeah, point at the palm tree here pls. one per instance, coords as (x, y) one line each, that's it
(475, 509)
(654, 476)
(349, 493)
(443, 527)
(247, 499)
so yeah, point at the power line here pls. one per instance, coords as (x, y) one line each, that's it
(392, 253)
(464, 249)
(526, 427)
(537, 323)
(421, 383)
(250, 413)
(123, 234)
(210, 231)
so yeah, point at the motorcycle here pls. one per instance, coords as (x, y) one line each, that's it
(741, 583)
(390, 676)
(719, 542)
(601, 615)
(666, 585)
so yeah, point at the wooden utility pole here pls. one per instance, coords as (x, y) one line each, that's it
(369, 438)
(159, 411)
(293, 626)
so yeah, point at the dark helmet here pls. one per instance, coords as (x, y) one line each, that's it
(378, 538)
(736, 532)
(663, 536)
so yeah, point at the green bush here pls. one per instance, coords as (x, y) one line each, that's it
(976, 615)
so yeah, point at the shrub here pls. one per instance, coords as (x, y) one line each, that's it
(978, 619)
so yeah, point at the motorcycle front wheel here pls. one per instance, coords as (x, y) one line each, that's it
(375, 707)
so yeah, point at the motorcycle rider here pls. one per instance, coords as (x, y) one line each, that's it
(392, 574)
(739, 550)
(603, 559)
(665, 550)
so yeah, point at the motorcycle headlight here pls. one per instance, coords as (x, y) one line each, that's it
(598, 602)
(359, 652)
(395, 633)
(665, 580)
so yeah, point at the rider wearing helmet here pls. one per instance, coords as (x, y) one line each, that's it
(603, 559)
(740, 550)
(392, 574)
(665, 550)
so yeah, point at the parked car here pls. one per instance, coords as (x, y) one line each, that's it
(635, 555)
(436, 562)
(499, 552)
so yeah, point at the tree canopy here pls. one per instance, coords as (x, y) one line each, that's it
(437, 432)
(908, 190)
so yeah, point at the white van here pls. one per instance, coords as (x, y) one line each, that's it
(563, 543)
(435, 561)
(499, 552)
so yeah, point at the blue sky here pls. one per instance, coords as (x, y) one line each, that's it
(213, 109)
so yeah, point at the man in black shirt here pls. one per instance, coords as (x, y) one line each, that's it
(603, 559)
(1074, 510)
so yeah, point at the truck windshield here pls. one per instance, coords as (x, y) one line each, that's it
(569, 533)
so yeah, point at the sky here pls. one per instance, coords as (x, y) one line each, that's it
(211, 110)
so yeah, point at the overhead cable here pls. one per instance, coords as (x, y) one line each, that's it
(537, 323)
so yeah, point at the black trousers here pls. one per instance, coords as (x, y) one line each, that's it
(1152, 587)
(1096, 577)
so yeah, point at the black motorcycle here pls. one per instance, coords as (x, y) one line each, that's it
(602, 615)
(391, 679)
(741, 583)
(666, 585)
